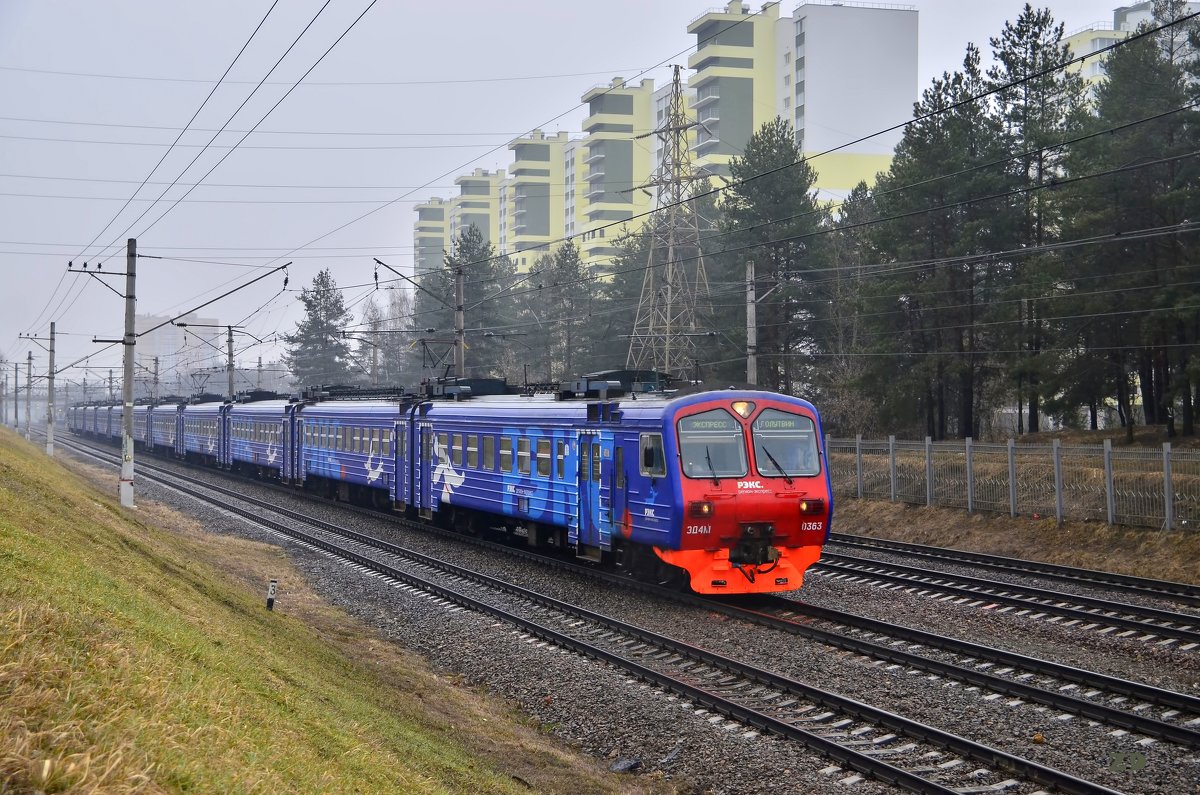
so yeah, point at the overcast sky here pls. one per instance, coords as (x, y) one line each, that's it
(95, 91)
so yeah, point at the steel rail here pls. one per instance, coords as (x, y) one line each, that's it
(1150, 727)
(994, 591)
(863, 763)
(1162, 589)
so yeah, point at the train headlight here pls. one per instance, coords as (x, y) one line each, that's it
(813, 506)
(744, 408)
(700, 509)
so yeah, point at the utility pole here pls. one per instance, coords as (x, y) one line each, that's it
(112, 396)
(50, 399)
(229, 347)
(125, 485)
(28, 393)
(258, 383)
(4, 394)
(154, 393)
(16, 392)
(751, 327)
(460, 331)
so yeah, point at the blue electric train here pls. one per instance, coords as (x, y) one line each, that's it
(727, 490)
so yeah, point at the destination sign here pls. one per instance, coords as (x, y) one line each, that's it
(709, 421)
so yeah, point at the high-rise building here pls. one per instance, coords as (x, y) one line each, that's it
(617, 162)
(839, 71)
(477, 204)
(532, 198)
(431, 235)
(188, 345)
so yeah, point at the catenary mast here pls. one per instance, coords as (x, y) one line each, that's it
(675, 287)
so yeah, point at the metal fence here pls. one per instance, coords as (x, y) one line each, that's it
(1143, 487)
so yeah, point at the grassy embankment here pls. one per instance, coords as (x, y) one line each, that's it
(135, 658)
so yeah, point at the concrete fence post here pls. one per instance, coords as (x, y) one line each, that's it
(1168, 489)
(928, 470)
(1056, 454)
(892, 464)
(969, 447)
(1110, 496)
(1012, 478)
(858, 466)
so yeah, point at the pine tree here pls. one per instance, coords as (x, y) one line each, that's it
(1133, 301)
(1040, 105)
(944, 198)
(770, 215)
(317, 354)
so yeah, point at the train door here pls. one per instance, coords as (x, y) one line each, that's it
(423, 492)
(293, 435)
(595, 488)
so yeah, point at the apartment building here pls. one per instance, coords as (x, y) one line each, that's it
(532, 198)
(617, 161)
(431, 235)
(477, 204)
(839, 71)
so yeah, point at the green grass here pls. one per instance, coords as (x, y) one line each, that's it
(128, 663)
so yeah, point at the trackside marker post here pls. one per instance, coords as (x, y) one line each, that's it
(271, 594)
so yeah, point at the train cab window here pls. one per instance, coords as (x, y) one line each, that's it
(653, 461)
(560, 456)
(785, 445)
(596, 462)
(473, 451)
(489, 453)
(712, 445)
(543, 458)
(619, 465)
(506, 456)
(456, 454)
(523, 463)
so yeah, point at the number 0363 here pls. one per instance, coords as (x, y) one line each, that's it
(812, 525)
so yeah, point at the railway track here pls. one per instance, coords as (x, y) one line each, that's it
(860, 739)
(1179, 592)
(1126, 706)
(1107, 617)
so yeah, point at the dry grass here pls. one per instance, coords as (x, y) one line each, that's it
(138, 659)
(1141, 552)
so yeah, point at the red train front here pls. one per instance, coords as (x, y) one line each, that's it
(753, 498)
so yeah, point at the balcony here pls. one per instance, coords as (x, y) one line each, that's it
(594, 190)
(595, 153)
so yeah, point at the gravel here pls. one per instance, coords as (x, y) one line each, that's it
(602, 712)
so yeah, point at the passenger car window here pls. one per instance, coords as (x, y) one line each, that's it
(543, 457)
(505, 454)
(523, 455)
(653, 461)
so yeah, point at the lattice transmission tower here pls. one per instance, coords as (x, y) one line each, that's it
(675, 288)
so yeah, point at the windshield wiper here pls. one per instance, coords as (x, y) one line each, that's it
(712, 470)
(786, 476)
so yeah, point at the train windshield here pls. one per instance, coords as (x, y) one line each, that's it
(785, 445)
(711, 445)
